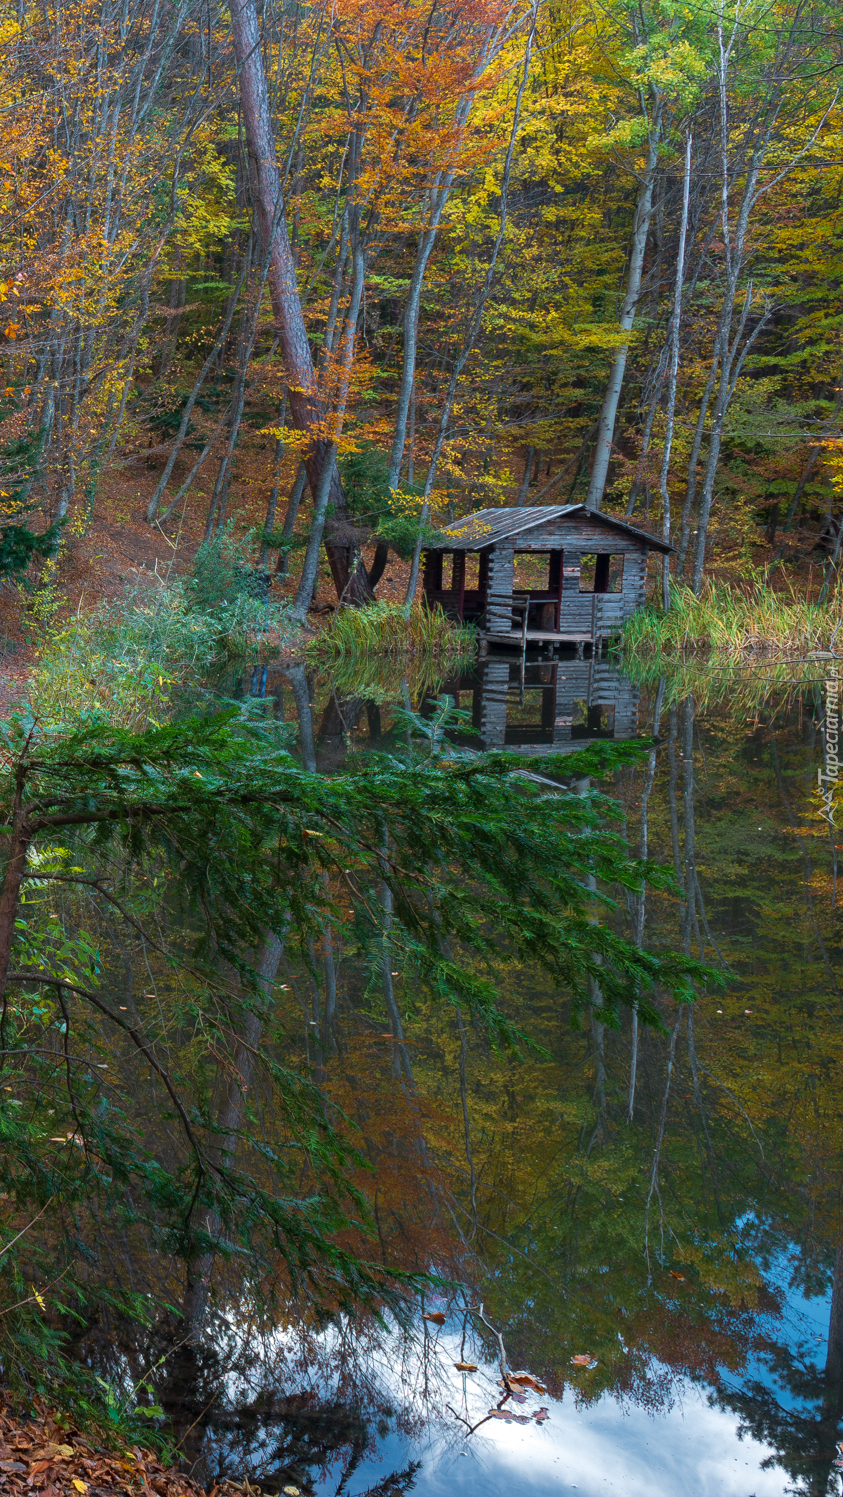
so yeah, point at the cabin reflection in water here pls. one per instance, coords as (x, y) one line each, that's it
(546, 706)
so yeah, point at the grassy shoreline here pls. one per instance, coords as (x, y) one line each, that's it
(752, 623)
(385, 629)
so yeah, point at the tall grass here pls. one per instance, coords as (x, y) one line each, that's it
(749, 623)
(375, 651)
(384, 631)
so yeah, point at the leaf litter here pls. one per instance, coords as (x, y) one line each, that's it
(51, 1457)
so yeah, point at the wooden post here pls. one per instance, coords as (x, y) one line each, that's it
(499, 592)
(556, 583)
(458, 580)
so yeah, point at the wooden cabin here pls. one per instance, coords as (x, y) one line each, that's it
(555, 574)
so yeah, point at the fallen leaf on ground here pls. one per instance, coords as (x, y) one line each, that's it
(61, 1460)
(435, 1316)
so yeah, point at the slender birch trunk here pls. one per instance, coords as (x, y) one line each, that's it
(325, 486)
(609, 410)
(673, 371)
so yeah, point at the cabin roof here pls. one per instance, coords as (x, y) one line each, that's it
(488, 526)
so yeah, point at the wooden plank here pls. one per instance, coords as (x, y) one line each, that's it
(588, 536)
(539, 634)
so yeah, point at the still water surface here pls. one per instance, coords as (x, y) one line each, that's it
(686, 1252)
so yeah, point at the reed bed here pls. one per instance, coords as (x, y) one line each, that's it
(738, 623)
(383, 632)
(383, 655)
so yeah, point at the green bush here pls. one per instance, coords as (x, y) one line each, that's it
(226, 585)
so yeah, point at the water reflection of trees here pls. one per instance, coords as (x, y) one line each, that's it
(627, 1193)
(618, 1191)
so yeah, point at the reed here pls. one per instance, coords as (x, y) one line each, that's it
(384, 632)
(739, 623)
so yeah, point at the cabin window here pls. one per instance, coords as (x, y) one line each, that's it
(531, 572)
(447, 571)
(601, 573)
(472, 571)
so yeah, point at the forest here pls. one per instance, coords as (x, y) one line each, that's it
(460, 257)
(383, 1007)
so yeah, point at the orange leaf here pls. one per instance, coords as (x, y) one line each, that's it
(526, 1380)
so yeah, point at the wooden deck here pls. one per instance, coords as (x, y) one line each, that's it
(539, 636)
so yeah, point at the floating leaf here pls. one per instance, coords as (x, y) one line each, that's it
(525, 1380)
(435, 1316)
(466, 1366)
(584, 1359)
(679, 1276)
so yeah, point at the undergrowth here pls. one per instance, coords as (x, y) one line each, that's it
(127, 660)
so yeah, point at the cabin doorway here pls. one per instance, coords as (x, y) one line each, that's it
(537, 588)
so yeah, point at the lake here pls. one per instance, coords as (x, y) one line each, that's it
(645, 1223)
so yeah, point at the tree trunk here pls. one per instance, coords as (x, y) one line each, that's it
(608, 413)
(306, 405)
(527, 475)
(673, 371)
(731, 364)
(324, 489)
(473, 328)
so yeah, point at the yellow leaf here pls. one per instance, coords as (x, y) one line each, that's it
(81, 1486)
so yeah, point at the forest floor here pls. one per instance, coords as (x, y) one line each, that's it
(120, 550)
(46, 1453)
